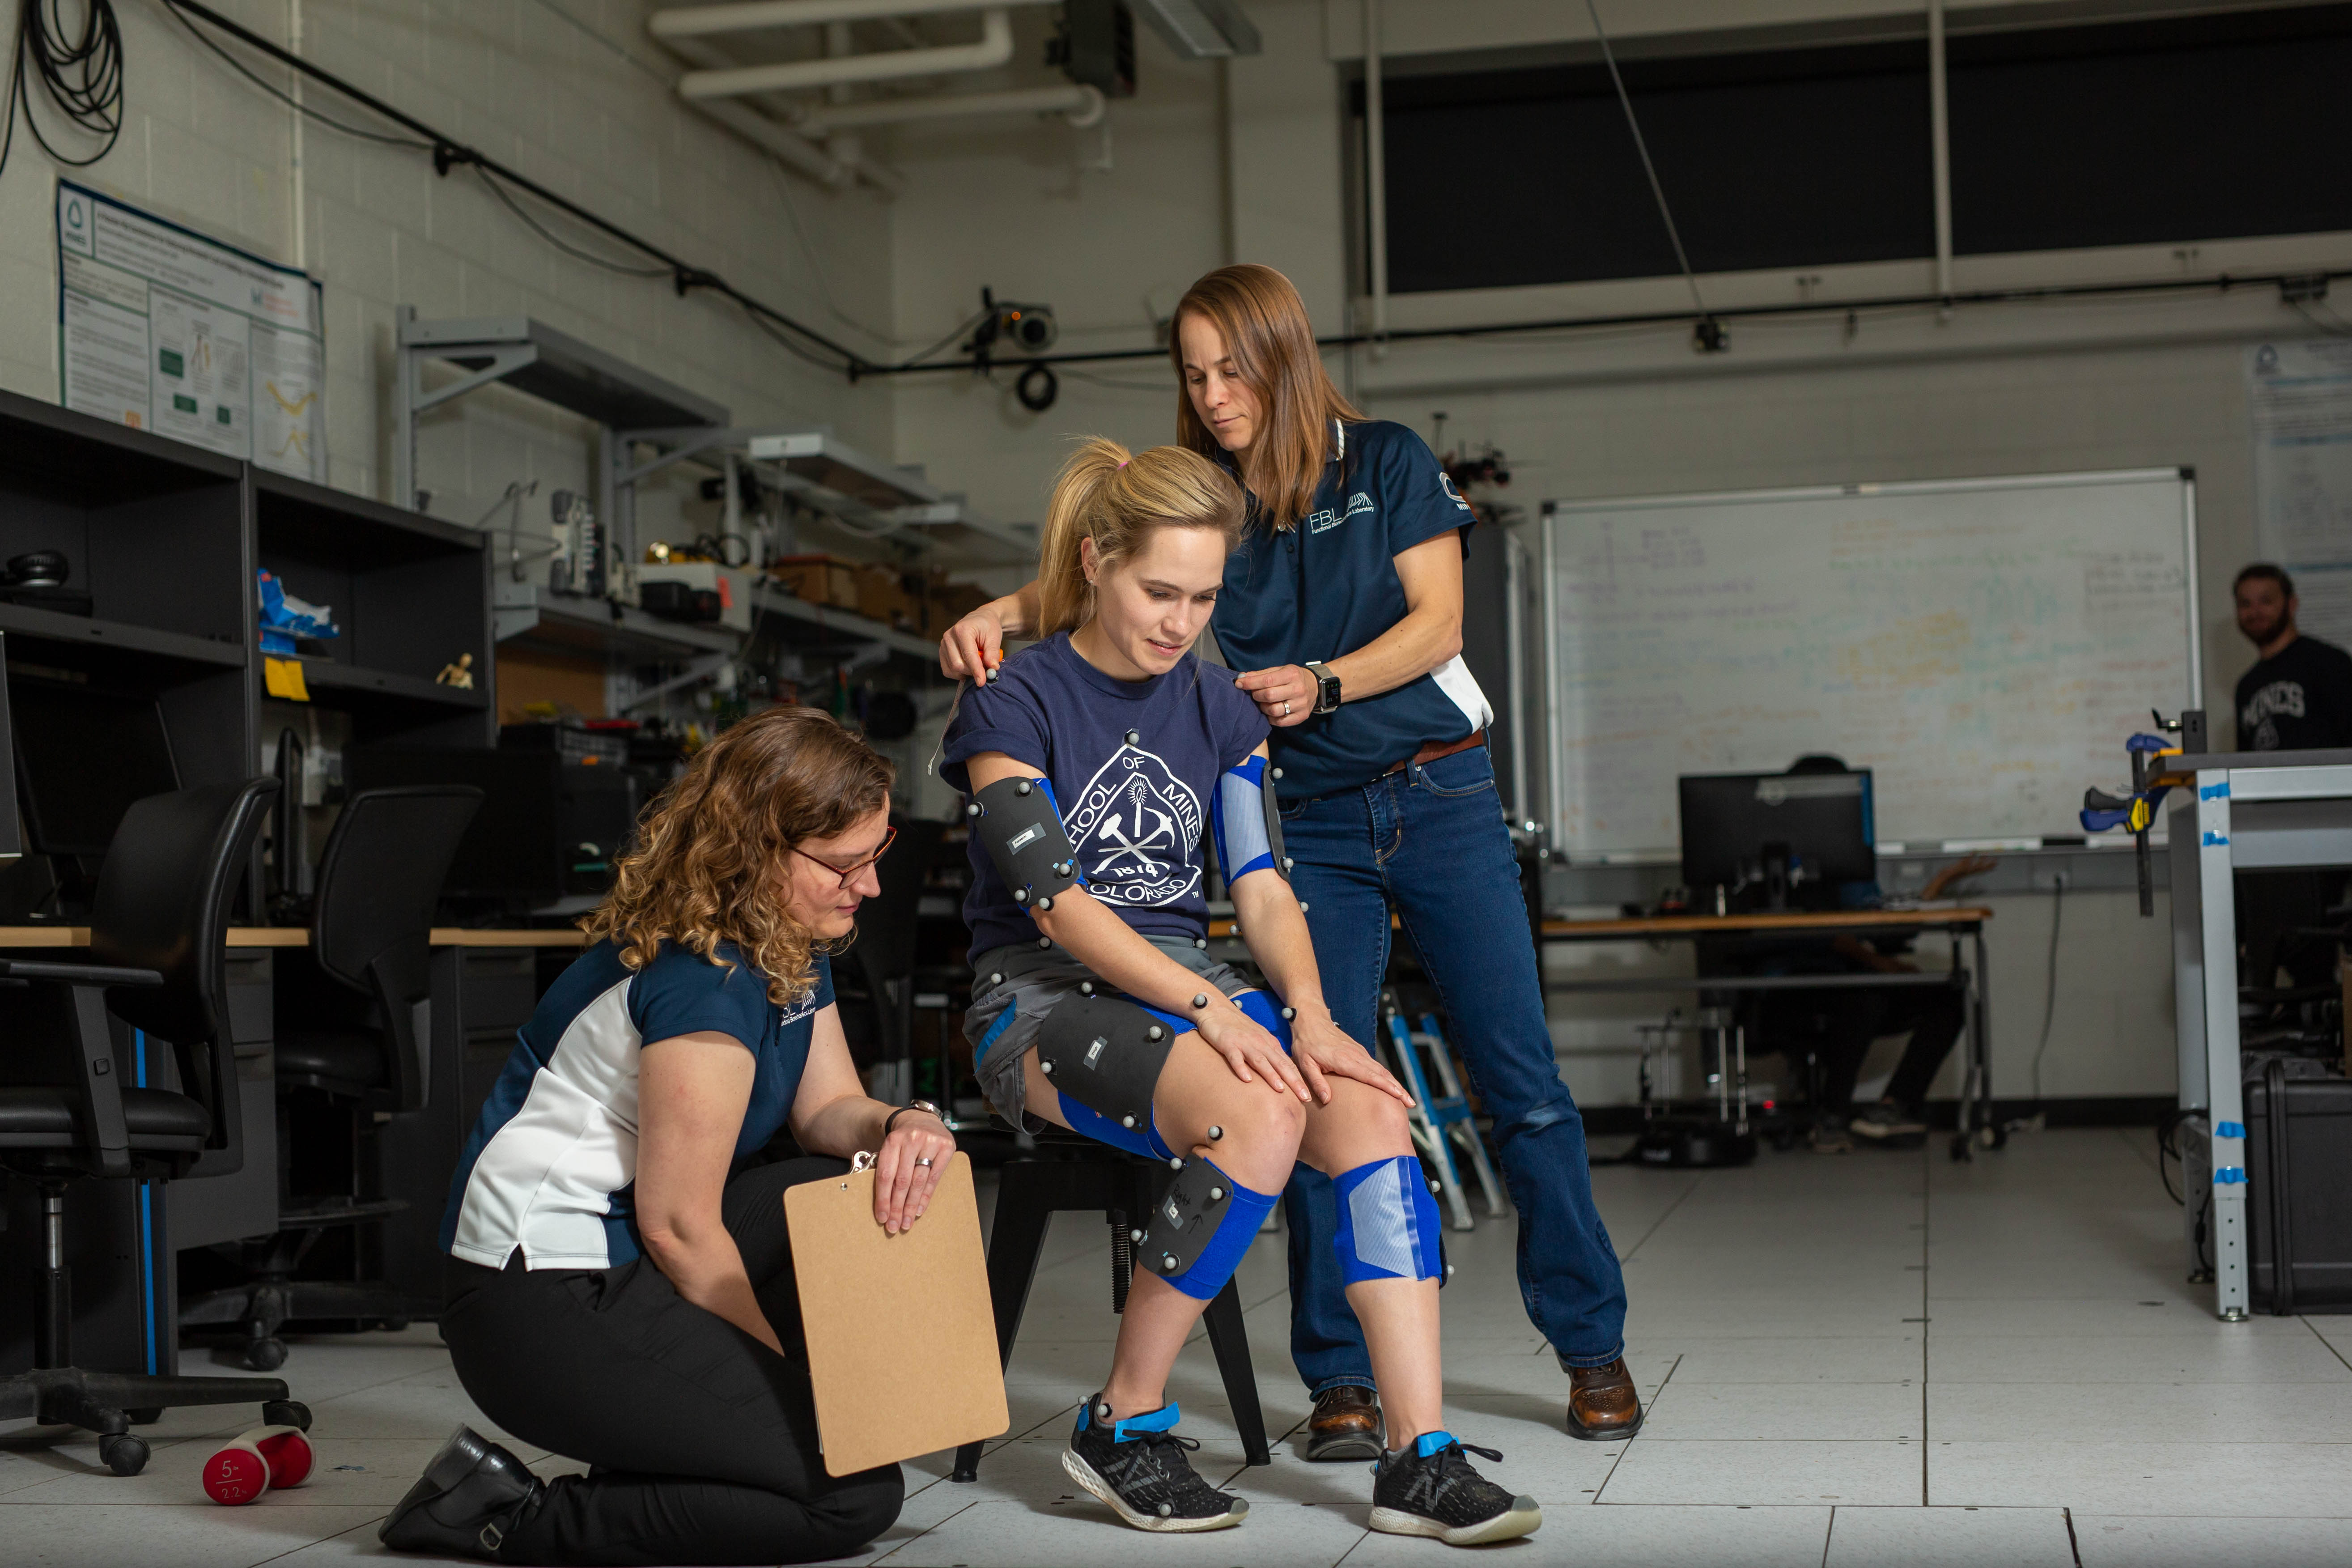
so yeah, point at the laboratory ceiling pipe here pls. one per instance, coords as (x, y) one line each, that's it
(993, 49)
(756, 15)
(1082, 105)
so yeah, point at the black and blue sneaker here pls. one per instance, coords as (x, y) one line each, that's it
(1139, 1467)
(1429, 1488)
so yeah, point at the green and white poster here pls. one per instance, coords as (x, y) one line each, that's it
(161, 329)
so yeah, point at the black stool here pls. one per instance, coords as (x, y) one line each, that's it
(1080, 1173)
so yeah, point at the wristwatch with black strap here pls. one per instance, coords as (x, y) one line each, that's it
(1327, 686)
(924, 1106)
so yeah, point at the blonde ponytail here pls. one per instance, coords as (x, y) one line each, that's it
(1112, 497)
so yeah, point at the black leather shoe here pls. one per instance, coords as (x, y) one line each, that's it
(1346, 1424)
(470, 1498)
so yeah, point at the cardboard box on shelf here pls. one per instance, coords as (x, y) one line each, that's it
(882, 596)
(818, 579)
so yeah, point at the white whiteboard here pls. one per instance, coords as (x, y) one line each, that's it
(1983, 645)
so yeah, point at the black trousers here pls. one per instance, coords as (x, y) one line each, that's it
(703, 1440)
(1841, 1024)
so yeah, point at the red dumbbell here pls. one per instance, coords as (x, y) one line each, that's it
(256, 1461)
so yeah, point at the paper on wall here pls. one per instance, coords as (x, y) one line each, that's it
(163, 329)
(2300, 398)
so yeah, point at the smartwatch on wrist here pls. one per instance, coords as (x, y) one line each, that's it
(1327, 686)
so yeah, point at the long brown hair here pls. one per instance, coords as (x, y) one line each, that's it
(711, 862)
(1264, 322)
(1113, 497)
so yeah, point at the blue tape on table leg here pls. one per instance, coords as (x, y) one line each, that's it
(2229, 1129)
(1388, 1223)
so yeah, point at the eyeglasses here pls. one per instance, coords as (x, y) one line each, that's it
(846, 872)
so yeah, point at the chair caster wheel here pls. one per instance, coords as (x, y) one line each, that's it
(1993, 1137)
(124, 1455)
(145, 1415)
(286, 1412)
(1960, 1155)
(265, 1355)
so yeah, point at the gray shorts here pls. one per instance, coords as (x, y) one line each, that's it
(1016, 987)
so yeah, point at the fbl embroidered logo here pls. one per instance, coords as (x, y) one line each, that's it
(1316, 521)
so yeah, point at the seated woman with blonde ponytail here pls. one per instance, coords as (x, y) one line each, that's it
(1097, 763)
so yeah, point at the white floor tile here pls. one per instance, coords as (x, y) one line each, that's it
(1081, 1532)
(2222, 1357)
(2201, 1413)
(200, 1534)
(1857, 1412)
(1727, 1537)
(1811, 1474)
(2163, 1541)
(2283, 1481)
(1949, 1538)
(1895, 1358)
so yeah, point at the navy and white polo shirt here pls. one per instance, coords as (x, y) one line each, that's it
(1329, 586)
(552, 1164)
(1134, 808)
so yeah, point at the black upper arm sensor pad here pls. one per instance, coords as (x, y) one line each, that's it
(1015, 822)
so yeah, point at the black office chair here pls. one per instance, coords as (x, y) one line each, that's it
(159, 929)
(358, 1033)
(1072, 1172)
(874, 981)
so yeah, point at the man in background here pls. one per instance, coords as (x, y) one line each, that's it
(2296, 698)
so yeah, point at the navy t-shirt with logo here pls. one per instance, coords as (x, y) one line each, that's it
(1136, 811)
(1329, 586)
(2298, 699)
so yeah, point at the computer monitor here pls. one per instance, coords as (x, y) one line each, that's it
(83, 756)
(509, 852)
(548, 830)
(1772, 829)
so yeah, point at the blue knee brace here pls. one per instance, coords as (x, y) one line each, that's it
(1199, 1229)
(1267, 1011)
(1388, 1222)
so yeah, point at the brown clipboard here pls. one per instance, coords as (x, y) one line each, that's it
(902, 1337)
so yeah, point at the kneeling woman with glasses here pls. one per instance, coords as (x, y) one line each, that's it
(621, 1286)
(1096, 763)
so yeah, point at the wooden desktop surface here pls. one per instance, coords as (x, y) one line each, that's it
(1792, 921)
(299, 936)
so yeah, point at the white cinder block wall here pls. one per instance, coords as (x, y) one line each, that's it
(571, 93)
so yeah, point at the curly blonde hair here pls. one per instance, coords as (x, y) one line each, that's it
(710, 865)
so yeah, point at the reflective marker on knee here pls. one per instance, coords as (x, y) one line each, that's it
(1215, 1133)
(1288, 1014)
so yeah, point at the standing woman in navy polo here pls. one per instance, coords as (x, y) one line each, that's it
(620, 1280)
(1343, 606)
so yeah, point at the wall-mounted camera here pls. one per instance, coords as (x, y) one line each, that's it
(1011, 328)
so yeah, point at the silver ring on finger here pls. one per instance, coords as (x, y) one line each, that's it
(1285, 707)
(922, 1159)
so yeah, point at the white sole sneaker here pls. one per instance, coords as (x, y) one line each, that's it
(1523, 1518)
(1084, 1474)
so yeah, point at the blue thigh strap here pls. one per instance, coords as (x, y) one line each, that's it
(1388, 1222)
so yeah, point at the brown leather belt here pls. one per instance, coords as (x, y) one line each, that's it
(1436, 749)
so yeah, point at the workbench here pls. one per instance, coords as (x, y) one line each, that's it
(1959, 922)
(2232, 810)
(126, 1234)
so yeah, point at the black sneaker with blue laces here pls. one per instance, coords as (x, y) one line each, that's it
(1429, 1488)
(1139, 1467)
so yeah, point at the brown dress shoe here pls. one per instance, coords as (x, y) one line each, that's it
(1346, 1424)
(1601, 1405)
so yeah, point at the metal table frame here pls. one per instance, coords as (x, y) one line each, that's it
(2252, 811)
(1976, 1113)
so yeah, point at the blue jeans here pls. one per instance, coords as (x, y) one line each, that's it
(1431, 844)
